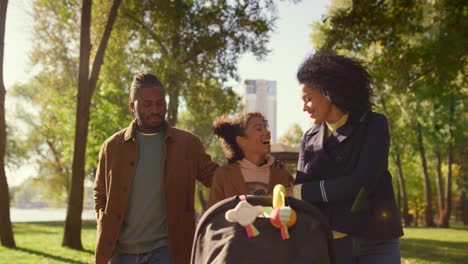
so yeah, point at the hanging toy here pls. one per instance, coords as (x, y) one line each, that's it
(282, 216)
(245, 214)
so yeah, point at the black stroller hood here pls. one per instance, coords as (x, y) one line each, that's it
(219, 241)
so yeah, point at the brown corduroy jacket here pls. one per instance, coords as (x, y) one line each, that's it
(228, 181)
(184, 162)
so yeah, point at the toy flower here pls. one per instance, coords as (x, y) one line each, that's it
(282, 216)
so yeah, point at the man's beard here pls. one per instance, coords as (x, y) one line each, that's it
(148, 126)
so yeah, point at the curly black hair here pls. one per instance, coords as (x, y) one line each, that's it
(343, 79)
(227, 130)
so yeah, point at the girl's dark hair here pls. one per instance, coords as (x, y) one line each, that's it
(344, 80)
(227, 130)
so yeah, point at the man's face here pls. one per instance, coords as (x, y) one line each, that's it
(149, 109)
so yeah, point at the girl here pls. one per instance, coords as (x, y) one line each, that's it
(250, 169)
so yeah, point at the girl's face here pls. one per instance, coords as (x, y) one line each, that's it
(256, 139)
(316, 104)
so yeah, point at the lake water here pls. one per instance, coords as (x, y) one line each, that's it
(45, 214)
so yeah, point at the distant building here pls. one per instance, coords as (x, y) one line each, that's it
(260, 96)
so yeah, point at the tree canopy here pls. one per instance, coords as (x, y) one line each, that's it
(416, 53)
(192, 46)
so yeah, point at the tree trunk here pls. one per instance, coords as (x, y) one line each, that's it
(445, 218)
(402, 190)
(173, 107)
(402, 196)
(72, 232)
(429, 218)
(448, 180)
(464, 185)
(464, 210)
(416, 215)
(6, 230)
(440, 192)
(86, 87)
(99, 58)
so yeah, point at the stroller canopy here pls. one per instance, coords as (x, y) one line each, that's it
(219, 241)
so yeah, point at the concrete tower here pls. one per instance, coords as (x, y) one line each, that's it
(260, 96)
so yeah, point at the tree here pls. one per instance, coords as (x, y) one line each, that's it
(425, 174)
(86, 85)
(293, 136)
(46, 136)
(187, 42)
(205, 103)
(464, 184)
(416, 52)
(46, 102)
(6, 231)
(72, 231)
(193, 47)
(397, 152)
(52, 91)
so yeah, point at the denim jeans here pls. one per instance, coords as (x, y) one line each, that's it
(156, 256)
(353, 250)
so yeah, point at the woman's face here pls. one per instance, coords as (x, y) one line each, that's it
(256, 139)
(316, 104)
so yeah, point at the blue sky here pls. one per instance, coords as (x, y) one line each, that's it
(290, 44)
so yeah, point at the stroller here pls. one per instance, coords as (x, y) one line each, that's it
(220, 241)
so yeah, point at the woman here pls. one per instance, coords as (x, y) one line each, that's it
(343, 163)
(250, 169)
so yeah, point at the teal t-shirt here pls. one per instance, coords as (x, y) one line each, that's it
(144, 227)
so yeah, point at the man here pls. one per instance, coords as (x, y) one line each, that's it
(145, 184)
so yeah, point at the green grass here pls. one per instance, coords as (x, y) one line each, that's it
(435, 245)
(40, 242)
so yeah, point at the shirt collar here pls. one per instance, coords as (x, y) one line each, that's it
(130, 133)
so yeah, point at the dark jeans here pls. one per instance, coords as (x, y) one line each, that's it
(353, 250)
(157, 256)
